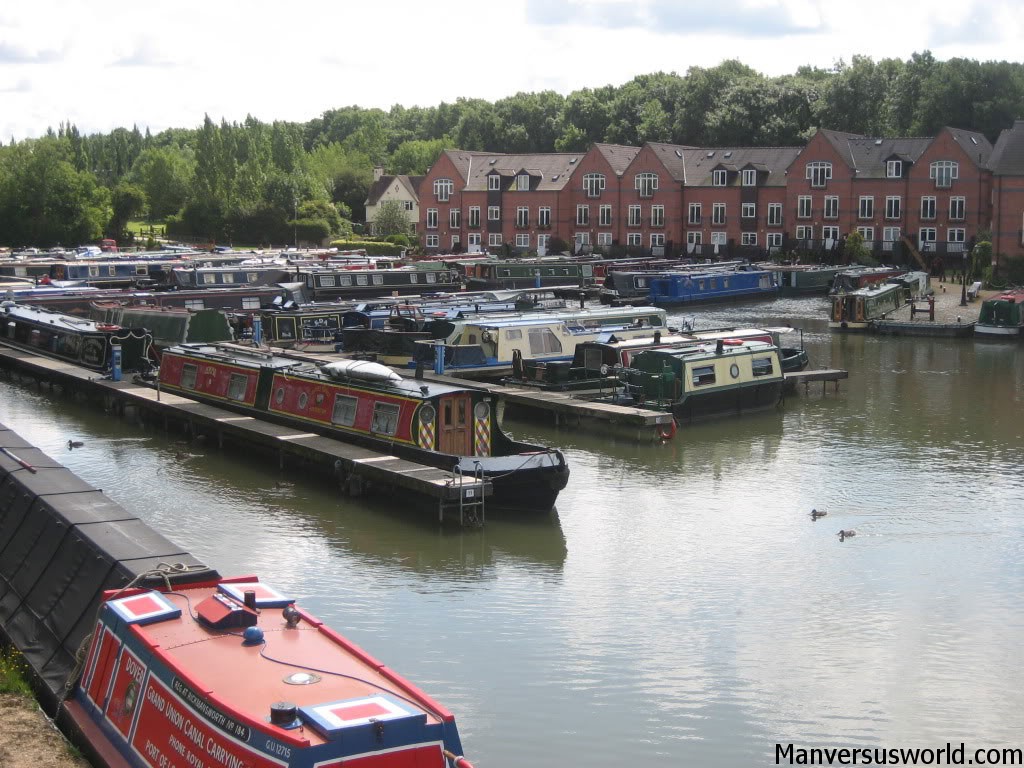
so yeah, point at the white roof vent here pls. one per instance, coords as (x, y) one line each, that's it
(573, 160)
(711, 153)
(678, 153)
(492, 161)
(727, 154)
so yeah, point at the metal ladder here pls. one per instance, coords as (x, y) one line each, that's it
(470, 510)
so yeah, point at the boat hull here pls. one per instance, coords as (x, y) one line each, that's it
(728, 402)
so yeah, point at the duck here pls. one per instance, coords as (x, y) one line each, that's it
(75, 444)
(815, 514)
(846, 534)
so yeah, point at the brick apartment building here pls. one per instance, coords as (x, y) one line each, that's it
(933, 194)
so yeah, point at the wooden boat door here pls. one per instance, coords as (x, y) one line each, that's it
(454, 425)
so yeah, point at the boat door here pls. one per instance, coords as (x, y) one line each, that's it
(454, 429)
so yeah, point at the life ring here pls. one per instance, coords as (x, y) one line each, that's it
(733, 342)
(107, 327)
(668, 431)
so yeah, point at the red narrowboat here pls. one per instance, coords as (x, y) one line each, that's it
(366, 403)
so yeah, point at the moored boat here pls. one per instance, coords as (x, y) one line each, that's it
(1002, 316)
(669, 289)
(231, 673)
(854, 311)
(365, 403)
(726, 378)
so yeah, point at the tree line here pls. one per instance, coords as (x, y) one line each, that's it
(256, 182)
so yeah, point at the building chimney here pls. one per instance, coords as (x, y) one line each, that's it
(378, 171)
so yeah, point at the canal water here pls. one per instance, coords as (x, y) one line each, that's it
(680, 607)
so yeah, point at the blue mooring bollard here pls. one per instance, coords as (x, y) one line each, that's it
(257, 330)
(439, 359)
(115, 362)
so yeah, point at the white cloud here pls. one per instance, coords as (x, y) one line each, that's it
(113, 63)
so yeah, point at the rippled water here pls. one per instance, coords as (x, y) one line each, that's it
(680, 608)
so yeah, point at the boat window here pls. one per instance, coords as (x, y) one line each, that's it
(639, 282)
(654, 320)
(378, 279)
(513, 334)
(703, 375)
(700, 285)
(762, 366)
(345, 280)
(250, 302)
(279, 395)
(544, 342)
(228, 277)
(209, 277)
(195, 304)
(361, 280)
(461, 412)
(327, 281)
(471, 338)
(414, 278)
(188, 375)
(303, 401)
(94, 271)
(344, 410)
(141, 269)
(112, 270)
(237, 385)
(431, 277)
(385, 418)
(506, 273)
(725, 282)
(252, 277)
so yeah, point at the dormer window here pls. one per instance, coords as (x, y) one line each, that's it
(944, 172)
(494, 182)
(749, 177)
(443, 189)
(719, 178)
(819, 172)
(593, 184)
(894, 169)
(646, 184)
(523, 182)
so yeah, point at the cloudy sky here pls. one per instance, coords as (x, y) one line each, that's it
(158, 64)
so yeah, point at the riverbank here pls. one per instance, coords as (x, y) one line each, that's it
(29, 739)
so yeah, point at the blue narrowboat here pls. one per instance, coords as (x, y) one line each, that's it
(671, 288)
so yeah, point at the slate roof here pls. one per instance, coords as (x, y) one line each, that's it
(381, 185)
(1007, 159)
(551, 170)
(868, 155)
(618, 156)
(692, 166)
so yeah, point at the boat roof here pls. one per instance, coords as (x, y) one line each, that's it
(45, 316)
(234, 354)
(308, 665)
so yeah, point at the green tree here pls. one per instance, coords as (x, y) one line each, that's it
(391, 219)
(414, 158)
(127, 201)
(165, 174)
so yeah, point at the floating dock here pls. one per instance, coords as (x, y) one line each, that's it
(357, 470)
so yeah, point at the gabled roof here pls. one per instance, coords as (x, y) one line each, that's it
(975, 145)
(383, 184)
(868, 156)
(464, 160)
(770, 162)
(618, 156)
(553, 169)
(1007, 159)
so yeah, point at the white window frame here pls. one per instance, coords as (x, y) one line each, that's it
(774, 214)
(929, 206)
(523, 182)
(431, 218)
(893, 207)
(719, 238)
(494, 213)
(774, 239)
(803, 207)
(494, 240)
(455, 218)
(523, 216)
(748, 210)
(694, 238)
(604, 238)
(831, 207)
(893, 169)
(433, 241)
(958, 208)
(719, 177)
(443, 189)
(544, 216)
(657, 239)
(830, 232)
(749, 177)
(868, 233)
(818, 172)
(582, 215)
(748, 238)
(634, 238)
(522, 240)
(634, 216)
(658, 216)
(890, 235)
(494, 183)
(944, 173)
(694, 213)
(646, 183)
(866, 207)
(593, 184)
(804, 232)
(604, 216)
(474, 215)
(926, 237)
(718, 214)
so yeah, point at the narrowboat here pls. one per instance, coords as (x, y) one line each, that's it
(333, 284)
(854, 311)
(632, 285)
(492, 342)
(230, 672)
(169, 325)
(674, 288)
(1001, 316)
(802, 279)
(361, 402)
(726, 378)
(917, 284)
(77, 340)
(202, 277)
(528, 273)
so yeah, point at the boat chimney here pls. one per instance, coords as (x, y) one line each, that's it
(583, 299)
(282, 713)
(250, 598)
(719, 347)
(657, 337)
(419, 370)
